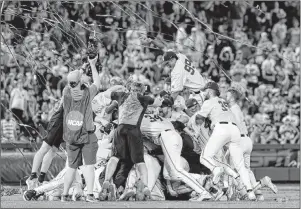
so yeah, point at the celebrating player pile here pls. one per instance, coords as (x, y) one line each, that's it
(151, 150)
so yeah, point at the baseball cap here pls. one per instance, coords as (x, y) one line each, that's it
(191, 102)
(167, 102)
(74, 78)
(163, 93)
(211, 85)
(169, 55)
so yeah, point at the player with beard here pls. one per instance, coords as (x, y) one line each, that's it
(232, 97)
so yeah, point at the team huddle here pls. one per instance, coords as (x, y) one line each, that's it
(149, 148)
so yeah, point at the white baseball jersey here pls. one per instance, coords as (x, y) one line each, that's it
(217, 110)
(200, 132)
(99, 104)
(185, 75)
(153, 125)
(235, 109)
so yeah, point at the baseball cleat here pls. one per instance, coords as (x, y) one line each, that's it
(140, 188)
(266, 181)
(249, 196)
(104, 191)
(65, 198)
(53, 198)
(147, 193)
(76, 197)
(32, 183)
(252, 196)
(217, 172)
(127, 194)
(112, 192)
(132, 199)
(91, 198)
(259, 197)
(201, 197)
(242, 192)
(120, 191)
(218, 195)
(29, 195)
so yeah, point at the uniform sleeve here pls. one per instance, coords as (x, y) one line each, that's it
(93, 91)
(177, 79)
(13, 92)
(205, 109)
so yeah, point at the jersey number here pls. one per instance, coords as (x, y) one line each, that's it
(224, 105)
(153, 119)
(188, 67)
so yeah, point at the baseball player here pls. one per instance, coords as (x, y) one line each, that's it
(154, 170)
(161, 131)
(200, 133)
(183, 74)
(232, 96)
(100, 106)
(54, 189)
(128, 144)
(225, 131)
(47, 152)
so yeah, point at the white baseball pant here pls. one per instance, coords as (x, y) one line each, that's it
(184, 188)
(226, 134)
(153, 171)
(104, 149)
(246, 144)
(171, 143)
(55, 187)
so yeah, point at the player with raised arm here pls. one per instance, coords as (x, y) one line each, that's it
(182, 72)
(225, 131)
(246, 143)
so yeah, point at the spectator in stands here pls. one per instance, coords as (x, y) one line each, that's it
(272, 64)
(18, 102)
(292, 117)
(280, 29)
(8, 128)
(294, 33)
(288, 132)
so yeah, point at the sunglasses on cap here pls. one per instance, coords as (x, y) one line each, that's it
(73, 84)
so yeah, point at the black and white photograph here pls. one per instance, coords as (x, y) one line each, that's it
(150, 104)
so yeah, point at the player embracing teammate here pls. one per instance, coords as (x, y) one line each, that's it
(213, 125)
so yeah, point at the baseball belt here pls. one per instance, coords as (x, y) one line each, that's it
(223, 122)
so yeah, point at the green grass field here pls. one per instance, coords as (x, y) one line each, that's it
(291, 192)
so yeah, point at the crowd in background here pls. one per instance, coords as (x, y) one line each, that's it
(42, 41)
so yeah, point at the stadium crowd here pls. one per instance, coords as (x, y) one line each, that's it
(146, 100)
(38, 51)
